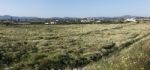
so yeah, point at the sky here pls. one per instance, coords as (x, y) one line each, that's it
(74, 8)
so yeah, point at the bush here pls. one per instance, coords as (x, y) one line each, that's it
(109, 45)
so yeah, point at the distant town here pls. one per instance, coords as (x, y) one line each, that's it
(6, 19)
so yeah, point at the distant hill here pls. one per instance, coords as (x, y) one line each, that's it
(16, 17)
(129, 16)
(7, 17)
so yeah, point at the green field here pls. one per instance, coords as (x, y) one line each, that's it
(76, 46)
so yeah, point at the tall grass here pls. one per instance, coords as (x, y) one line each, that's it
(42, 47)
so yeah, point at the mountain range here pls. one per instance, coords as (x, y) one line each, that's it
(16, 17)
(3, 17)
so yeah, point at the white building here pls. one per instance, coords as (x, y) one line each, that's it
(98, 21)
(50, 23)
(130, 20)
(46, 23)
(83, 21)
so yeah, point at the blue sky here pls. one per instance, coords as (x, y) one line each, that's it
(74, 8)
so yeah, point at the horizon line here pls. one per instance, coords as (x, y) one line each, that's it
(73, 16)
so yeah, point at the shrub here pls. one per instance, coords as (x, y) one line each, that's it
(109, 45)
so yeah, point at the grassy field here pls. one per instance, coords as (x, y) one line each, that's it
(80, 46)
